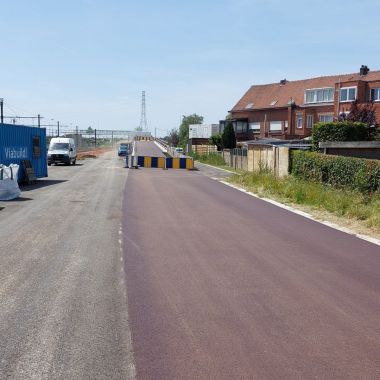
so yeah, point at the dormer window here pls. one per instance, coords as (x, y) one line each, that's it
(347, 94)
(319, 95)
(249, 105)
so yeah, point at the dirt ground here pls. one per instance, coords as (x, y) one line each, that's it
(93, 153)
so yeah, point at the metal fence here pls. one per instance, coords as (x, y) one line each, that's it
(92, 138)
(239, 152)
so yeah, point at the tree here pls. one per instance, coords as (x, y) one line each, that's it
(216, 140)
(184, 127)
(362, 113)
(228, 137)
(90, 130)
(173, 138)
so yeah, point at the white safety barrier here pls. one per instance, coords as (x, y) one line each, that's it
(8, 182)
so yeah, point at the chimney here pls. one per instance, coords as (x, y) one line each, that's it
(364, 70)
(283, 81)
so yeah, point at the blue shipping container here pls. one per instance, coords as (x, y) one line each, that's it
(18, 142)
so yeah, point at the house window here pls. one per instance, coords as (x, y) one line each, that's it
(275, 126)
(309, 121)
(347, 94)
(299, 120)
(286, 125)
(241, 127)
(375, 94)
(319, 95)
(326, 118)
(254, 127)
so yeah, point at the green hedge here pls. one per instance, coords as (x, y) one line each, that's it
(345, 172)
(338, 131)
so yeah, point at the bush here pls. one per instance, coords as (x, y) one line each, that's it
(344, 172)
(216, 140)
(228, 136)
(338, 131)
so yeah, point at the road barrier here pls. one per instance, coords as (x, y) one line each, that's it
(164, 162)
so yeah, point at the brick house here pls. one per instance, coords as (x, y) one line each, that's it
(288, 109)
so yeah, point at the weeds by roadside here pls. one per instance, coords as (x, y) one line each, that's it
(214, 159)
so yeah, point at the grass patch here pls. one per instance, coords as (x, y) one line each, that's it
(214, 159)
(349, 204)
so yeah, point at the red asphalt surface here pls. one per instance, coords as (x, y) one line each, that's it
(222, 285)
(148, 148)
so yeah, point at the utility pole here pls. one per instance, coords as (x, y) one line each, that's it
(112, 138)
(95, 138)
(1, 110)
(76, 129)
(58, 128)
(39, 120)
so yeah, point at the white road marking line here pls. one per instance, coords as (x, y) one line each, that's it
(306, 215)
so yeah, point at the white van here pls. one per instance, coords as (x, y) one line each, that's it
(62, 149)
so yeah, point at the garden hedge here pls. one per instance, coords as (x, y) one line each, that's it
(338, 131)
(344, 172)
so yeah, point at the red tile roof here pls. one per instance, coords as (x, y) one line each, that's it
(263, 95)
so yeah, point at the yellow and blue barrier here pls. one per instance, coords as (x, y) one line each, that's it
(165, 162)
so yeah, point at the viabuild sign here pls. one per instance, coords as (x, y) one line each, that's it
(20, 153)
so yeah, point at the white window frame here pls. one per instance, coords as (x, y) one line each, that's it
(309, 120)
(275, 129)
(299, 116)
(321, 115)
(348, 90)
(255, 130)
(315, 94)
(378, 91)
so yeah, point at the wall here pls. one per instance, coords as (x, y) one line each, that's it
(279, 114)
(259, 157)
(360, 149)
(272, 158)
(240, 162)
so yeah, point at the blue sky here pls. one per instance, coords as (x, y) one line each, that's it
(85, 62)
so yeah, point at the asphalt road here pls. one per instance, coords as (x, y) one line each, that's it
(225, 286)
(148, 148)
(63, 309)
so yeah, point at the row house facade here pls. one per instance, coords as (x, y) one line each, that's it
(289, 109)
